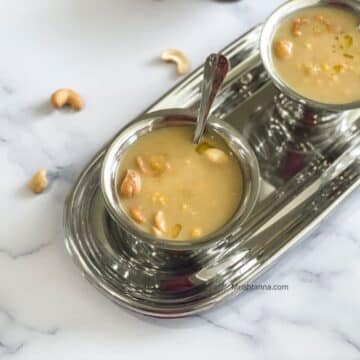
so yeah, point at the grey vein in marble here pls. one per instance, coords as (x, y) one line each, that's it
(26, 252)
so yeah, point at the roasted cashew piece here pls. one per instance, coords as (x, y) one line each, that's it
(69, 97)
(137, 214)
(297, 25)
(159, 221)
(156, 231)
(142, 166)
(38, 182)
(283, 49)
(131, 184)
(179, 58)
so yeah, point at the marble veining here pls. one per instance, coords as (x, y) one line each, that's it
(27, 252)
(107, 50)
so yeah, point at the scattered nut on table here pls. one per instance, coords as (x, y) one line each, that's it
(38, 182)
(68, 97)
(131, 184)
(179, 58)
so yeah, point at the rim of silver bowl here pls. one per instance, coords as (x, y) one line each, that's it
(269, 28)
(173, 117)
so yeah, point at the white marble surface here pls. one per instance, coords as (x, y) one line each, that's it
(107, 50)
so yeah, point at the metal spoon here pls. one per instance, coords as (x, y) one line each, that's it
(215, 70)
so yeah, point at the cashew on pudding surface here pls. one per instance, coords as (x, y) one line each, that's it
(176, 190)
(316, 52)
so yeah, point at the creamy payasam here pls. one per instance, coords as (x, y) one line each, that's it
(176, 190)
(316, 51)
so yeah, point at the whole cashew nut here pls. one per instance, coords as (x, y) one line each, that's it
(283, 49)
(159, 221)
(131, 184)
(179, 58)
(38, 182)
(69, 97)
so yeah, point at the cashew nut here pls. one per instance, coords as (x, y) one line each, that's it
(131, 184)
(297, 25)
(137, 215)
(179, 58)
(156, 231)
(216, 155)
(159, 221)
(142, 166)
(38, 182)
(283, 49)
(69, 97)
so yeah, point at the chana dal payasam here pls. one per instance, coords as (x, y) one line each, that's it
(176, 190)
(316, 51)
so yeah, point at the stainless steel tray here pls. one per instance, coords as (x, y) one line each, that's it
(300, 184)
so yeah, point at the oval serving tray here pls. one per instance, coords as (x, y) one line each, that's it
(300, 184)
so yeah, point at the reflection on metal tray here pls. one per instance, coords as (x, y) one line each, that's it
(300, 184)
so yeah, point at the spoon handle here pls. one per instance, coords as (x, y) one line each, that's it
(215, 70)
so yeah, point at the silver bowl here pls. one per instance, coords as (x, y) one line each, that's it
(157, 252)
(266, 38)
